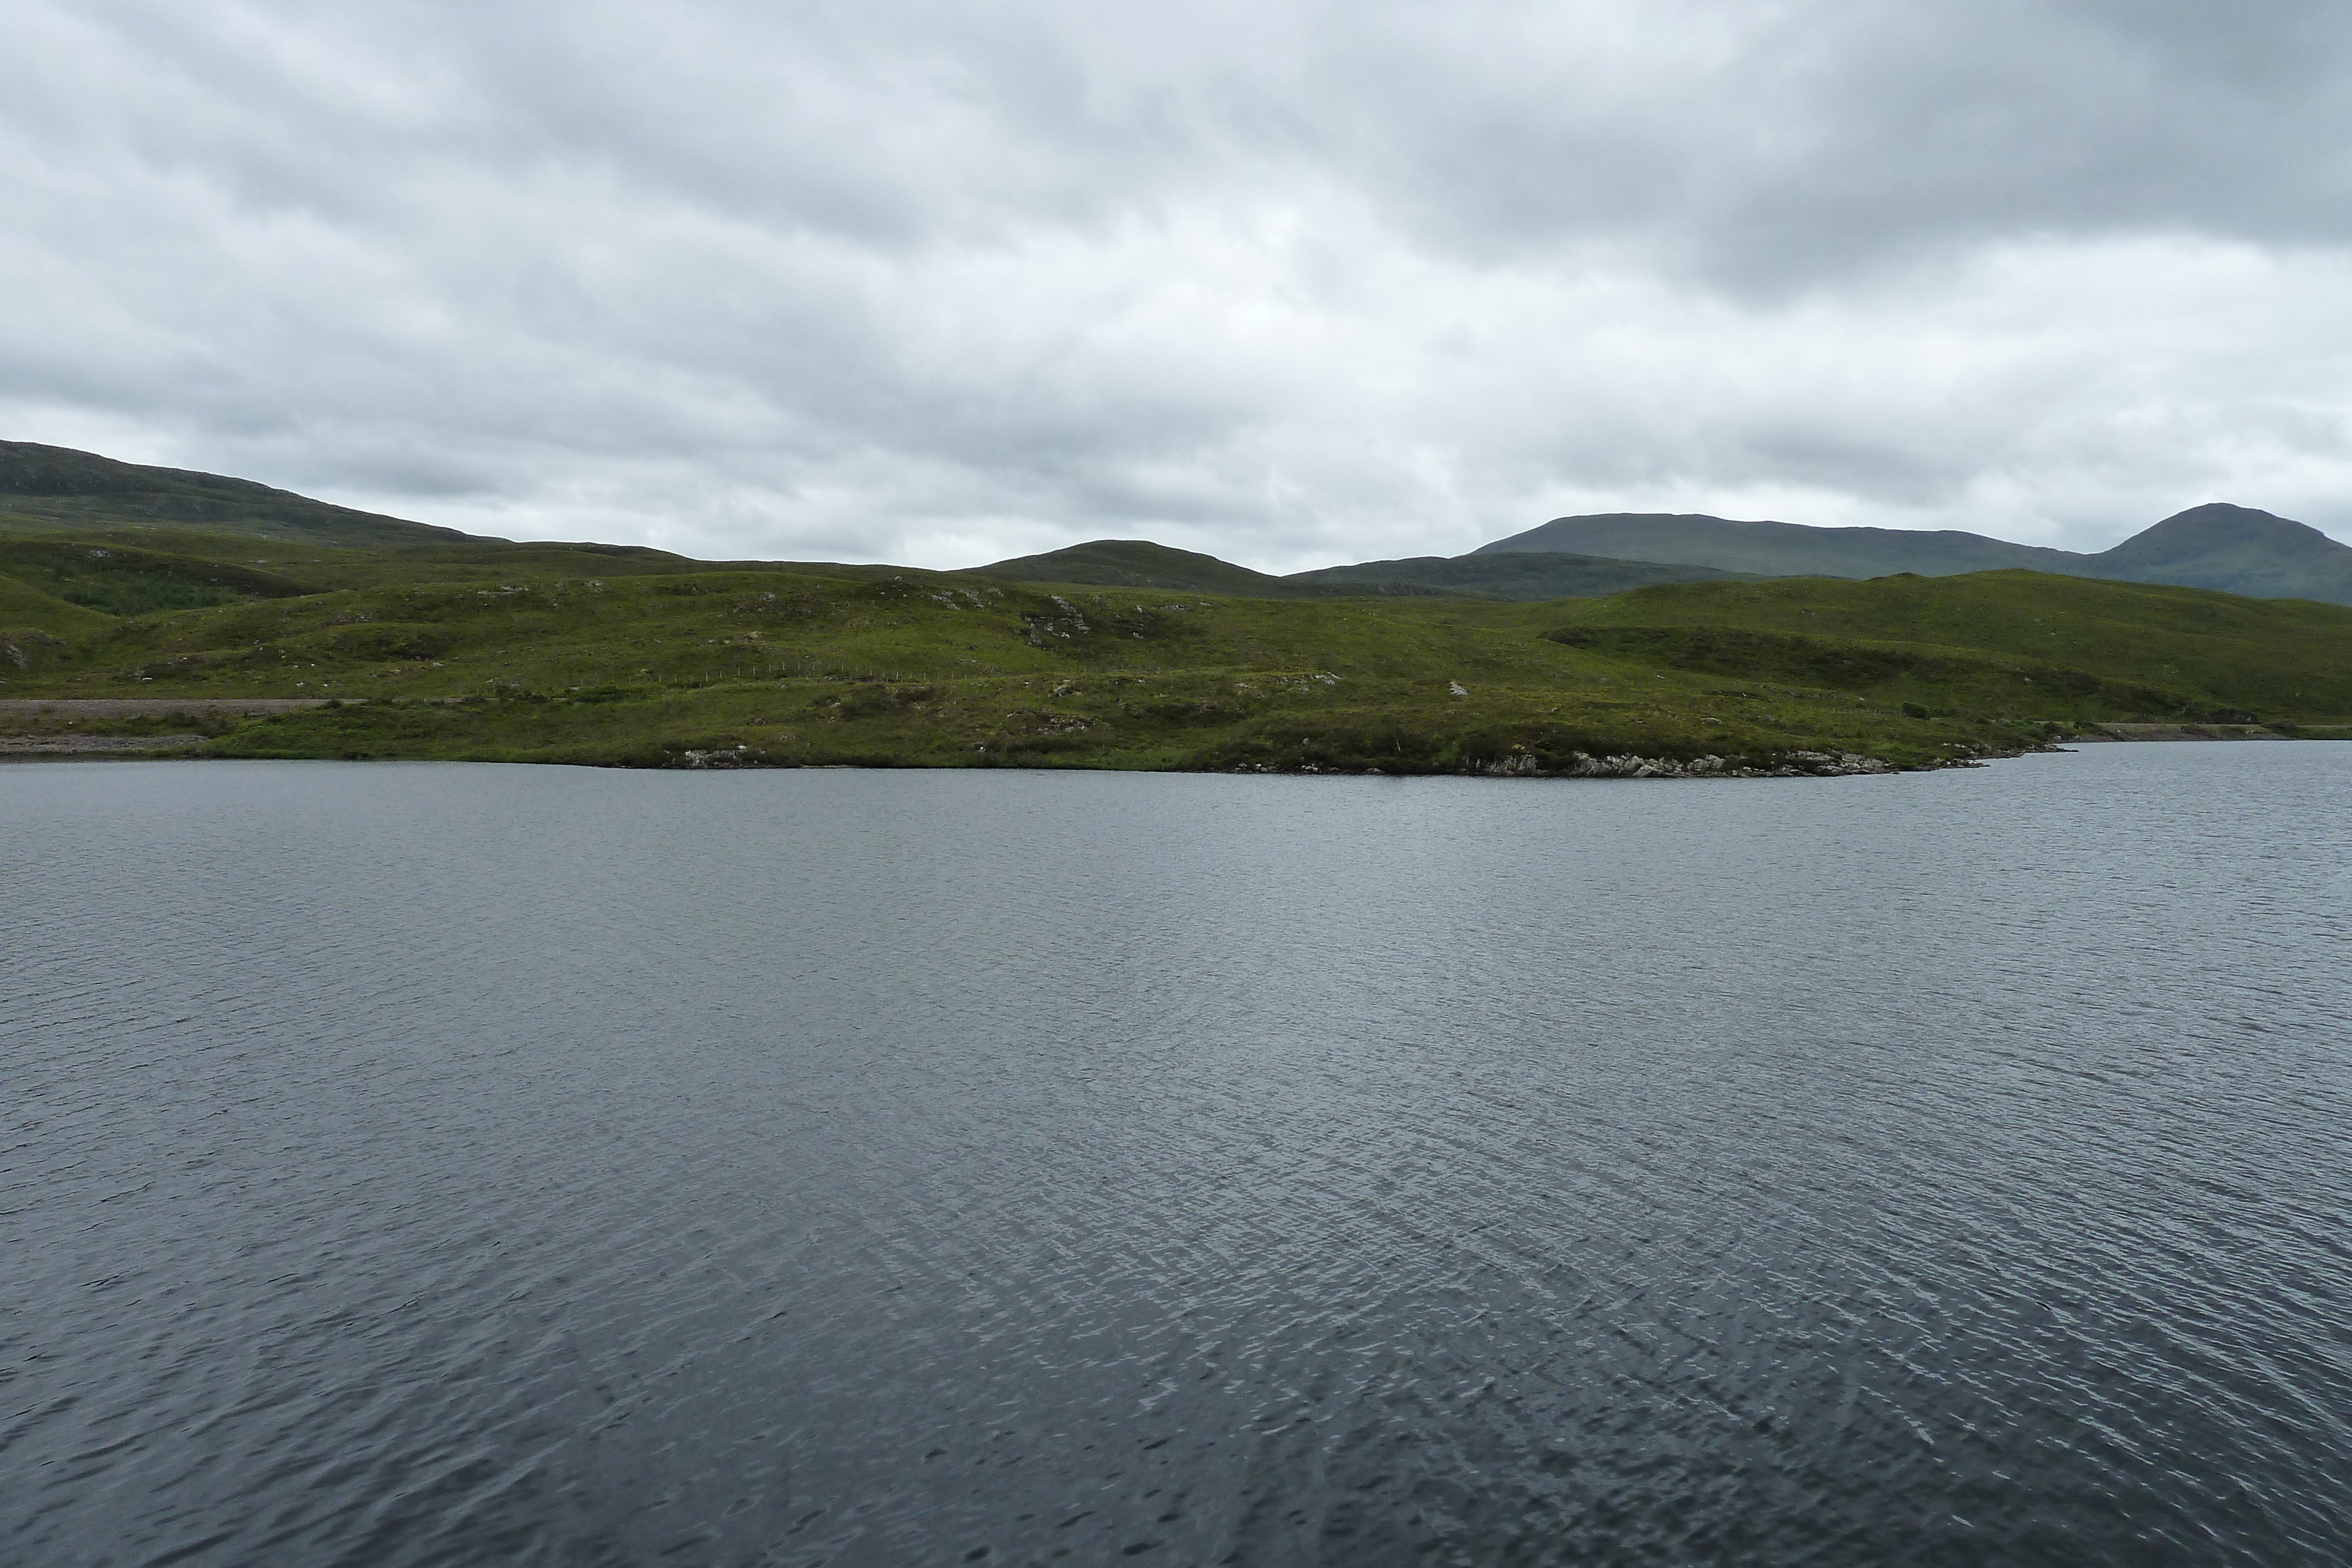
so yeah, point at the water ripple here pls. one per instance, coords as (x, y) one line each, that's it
(408, 1165)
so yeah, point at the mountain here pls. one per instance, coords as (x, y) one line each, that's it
(54, 489)
(1533, 576)
(2235, 550)
(1777, 549)
(1139, 563)
(1530, 575)
(607, 653)
(200, 520)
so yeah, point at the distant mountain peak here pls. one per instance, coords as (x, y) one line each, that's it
(1776, 548)
(2217, 524)
(1138, 563)
(62, 488)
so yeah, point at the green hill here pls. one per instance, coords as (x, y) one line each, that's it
(2278, 659)
(1533, 575)
(2235, 550)
(718, 667)
(24, 605)
(429, 643)
(1139, 563)
(1776, 550)
(117, 580)
(787, 668)
(54, 489)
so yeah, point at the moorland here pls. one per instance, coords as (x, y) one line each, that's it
(151, 611)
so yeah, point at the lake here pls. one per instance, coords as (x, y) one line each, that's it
(414, 1164)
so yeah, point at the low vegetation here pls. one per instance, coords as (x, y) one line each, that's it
(193, 601)
(576, 654)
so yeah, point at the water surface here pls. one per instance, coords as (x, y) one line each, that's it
(454, 1164)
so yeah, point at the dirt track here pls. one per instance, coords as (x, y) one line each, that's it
(137, 708)
(2177, 732)
(91, 745)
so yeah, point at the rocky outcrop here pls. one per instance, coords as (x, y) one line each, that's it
(1788, 765)
(1584, 764)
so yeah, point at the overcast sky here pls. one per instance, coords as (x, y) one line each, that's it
(1292, 282)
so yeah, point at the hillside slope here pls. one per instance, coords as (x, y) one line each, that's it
(2236, 549)
(24, 605)
(2232, 550)
(116, 580)
(771, 667)
(1139, 563)
(1776, 550)
(2272, 658)
(49, 489)
(1532, 575)
(429, 645)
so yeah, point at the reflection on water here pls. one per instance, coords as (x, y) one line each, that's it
(451, 1164)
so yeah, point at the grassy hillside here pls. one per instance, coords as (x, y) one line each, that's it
(1139, 563)
(794, 668)
(577, 654)
(2234, 550)
(24, 605)
(54, 489)
(116, 580)
(1777, 549)
(2275, 658)
(1533, 576)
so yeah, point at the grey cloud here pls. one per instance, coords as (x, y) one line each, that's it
(1811, 138)
(1293, 282)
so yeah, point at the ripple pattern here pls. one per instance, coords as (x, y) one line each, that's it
(450, 1165)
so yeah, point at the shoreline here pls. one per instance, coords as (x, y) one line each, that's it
(2103, 733)
(190, 729)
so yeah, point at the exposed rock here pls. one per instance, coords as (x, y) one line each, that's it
(1582, 764)
(737, 756)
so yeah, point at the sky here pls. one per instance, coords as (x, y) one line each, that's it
(1291, 282)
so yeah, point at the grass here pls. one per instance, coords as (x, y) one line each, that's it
(2277, 658)
(25, 607)
(577, 654)
(121, 580)
(1139, 563)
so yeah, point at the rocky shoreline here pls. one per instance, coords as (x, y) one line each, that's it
(1582, 764)
(2101, 732)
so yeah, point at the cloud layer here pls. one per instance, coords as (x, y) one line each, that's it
(1292, 282)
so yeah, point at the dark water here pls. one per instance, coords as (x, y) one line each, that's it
(421, 1165)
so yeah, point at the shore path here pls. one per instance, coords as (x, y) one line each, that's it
(138, 707)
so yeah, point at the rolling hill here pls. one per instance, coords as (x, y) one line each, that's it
(418, 643)
(770, 666)
(1537, 575)
(54, 489)
(1532, 575)
(1139, 563)
(2266, 658)
(2236, 549)
(1776, 550)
